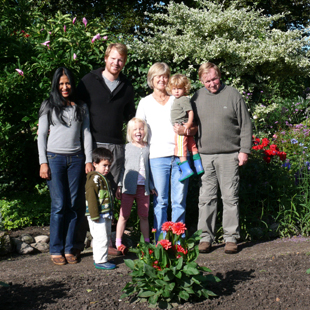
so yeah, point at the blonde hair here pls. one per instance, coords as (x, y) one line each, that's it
(158, 68)
(179, 81)
(130, 128)
(205, 68)
(120, 47)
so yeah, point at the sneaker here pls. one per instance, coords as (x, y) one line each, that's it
(106, 266)
(231, 248)
(204, 247)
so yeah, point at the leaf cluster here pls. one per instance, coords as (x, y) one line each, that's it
(161, 279)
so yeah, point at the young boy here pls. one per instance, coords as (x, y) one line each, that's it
(182, 113)
(99, 204)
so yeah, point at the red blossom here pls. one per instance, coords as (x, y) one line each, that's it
(179, 256)
(181, 249)
(282, 156)
(258, 147)
(178, 228)
(274, 147)
(167, 226)
(150, 251)
(267, 159)
(166, 244)
(154, 230)
(265, 142)
(256, 141)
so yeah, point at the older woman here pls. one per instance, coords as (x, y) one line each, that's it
(155, 110)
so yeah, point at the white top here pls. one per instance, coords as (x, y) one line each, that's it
(158, 117)
(141, 175)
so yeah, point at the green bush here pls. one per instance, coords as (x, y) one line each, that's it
(21, 209)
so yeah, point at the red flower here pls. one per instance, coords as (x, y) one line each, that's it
(273, 147)
(265, 142)
(27, 35)
(167, 226)
(258, 147)
(166, 244)
(179, 256)
(154, 230)
(178, 228)
(267, 159)
(150, 251)
(181, 249)
(282, 156)
(268, 152)
(256, 141)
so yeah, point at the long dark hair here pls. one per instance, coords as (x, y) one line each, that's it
(57, 102)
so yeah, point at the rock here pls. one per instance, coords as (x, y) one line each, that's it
(273, 230)
(5, 244)
(41, 246)
(27, 238)
(42, 239)
(22, 247)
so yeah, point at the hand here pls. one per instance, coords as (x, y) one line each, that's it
(88, 167)
(118, 193)
(153, 192)
(243, 158)
(45, 172)
(179, 129)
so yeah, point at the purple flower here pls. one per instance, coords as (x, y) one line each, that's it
(20, 72)
(283, 133)
(296, 110)
(65, 28)
(46, 43)
(261, 91)
(248, 94)
(74, 56)
(105, 38)
(96, 37)
(84, 21)
(73, 21)
(294, 141)
(49, 32)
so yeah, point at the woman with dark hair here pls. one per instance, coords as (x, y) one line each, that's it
(63, 125)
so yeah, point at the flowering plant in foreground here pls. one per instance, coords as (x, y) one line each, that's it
(166, 273)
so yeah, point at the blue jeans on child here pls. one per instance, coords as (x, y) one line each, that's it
(165, 170)
(66, 188)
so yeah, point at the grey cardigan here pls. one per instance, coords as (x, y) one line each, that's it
(129, 174)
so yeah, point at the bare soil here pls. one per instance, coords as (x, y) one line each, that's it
(263, 275)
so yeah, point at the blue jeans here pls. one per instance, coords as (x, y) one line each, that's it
(66, 188)
(165, 170)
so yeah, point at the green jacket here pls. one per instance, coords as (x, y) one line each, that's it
(98, 195)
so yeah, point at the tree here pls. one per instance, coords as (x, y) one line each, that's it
(241, 41)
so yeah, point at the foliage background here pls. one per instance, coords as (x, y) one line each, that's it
(262, 53)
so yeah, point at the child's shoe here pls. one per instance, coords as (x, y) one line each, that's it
(122, 248)
(106, 266)
(198, 164)
(186, 170)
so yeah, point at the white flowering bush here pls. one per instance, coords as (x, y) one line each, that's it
(240, 41)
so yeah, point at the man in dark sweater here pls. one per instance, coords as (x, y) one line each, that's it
(110, 100)
(224, 142)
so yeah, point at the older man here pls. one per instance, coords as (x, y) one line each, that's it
(224, 141)
(110, 100)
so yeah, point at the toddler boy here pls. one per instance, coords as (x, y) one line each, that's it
(99, 205)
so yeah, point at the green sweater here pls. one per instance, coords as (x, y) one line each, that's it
(98, 196)
(224, 124)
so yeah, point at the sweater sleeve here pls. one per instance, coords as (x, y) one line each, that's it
(92, 199)
(42, 138)
(86, 136)
(245, 124)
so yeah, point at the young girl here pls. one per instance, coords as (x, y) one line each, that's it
(135, 181)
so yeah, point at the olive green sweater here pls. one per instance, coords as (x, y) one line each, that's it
(98, 196)
(224, 124)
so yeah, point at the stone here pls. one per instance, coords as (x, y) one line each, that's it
(40, 246)
(22, 247)
(42, 239)
(5, 244)
(27, 238)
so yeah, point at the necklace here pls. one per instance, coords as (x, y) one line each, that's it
(158, 100)
(70, 115)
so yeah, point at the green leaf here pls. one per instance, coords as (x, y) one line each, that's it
(169, 276)
(153, 299)
(189, 290)
(308, 271)
(190, 270)
(146, 294)
(180, 263)
(204, 269)
(184, 295)
(129, 263)
(150, 271)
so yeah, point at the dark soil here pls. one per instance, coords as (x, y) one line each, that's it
(265, 275)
